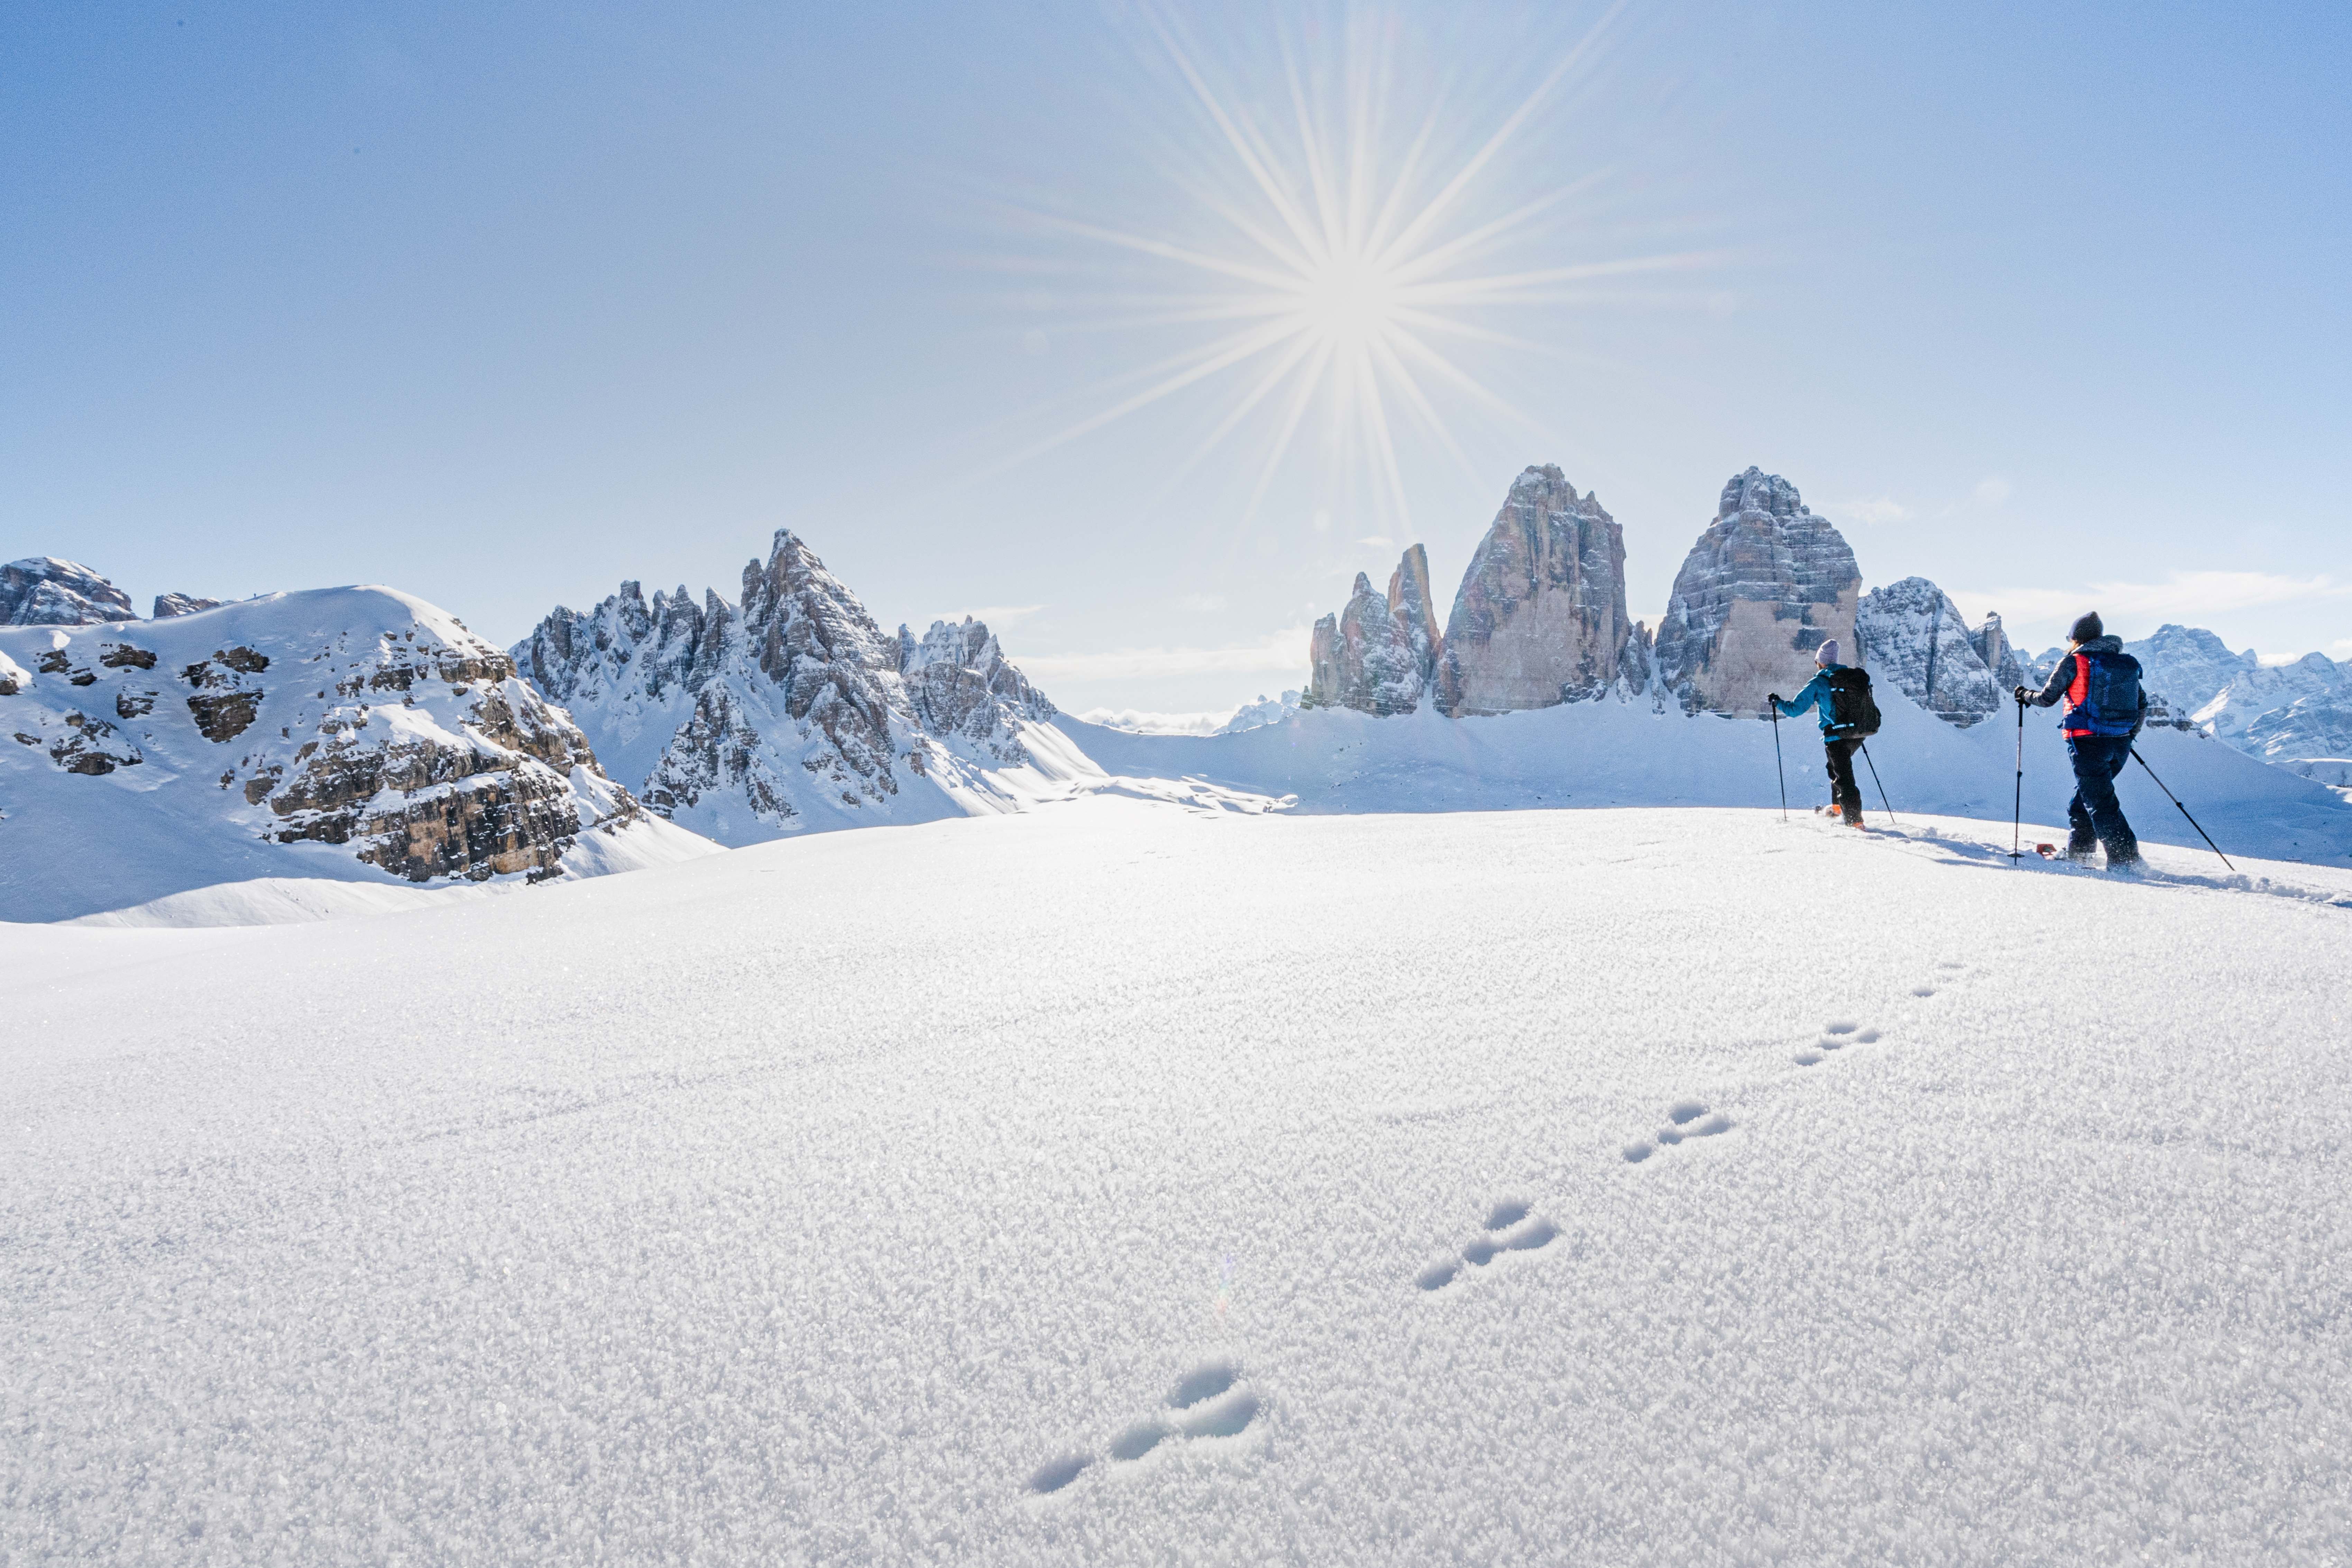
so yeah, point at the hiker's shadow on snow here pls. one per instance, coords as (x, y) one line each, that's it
(1961, 855)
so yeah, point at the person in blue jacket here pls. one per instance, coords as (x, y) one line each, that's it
(1845, 794)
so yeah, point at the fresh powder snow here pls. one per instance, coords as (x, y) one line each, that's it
(1153, 1181)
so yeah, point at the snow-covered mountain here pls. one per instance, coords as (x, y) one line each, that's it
(2297, 716)
(796, 710)
(1913, 634)
(43, 591)
(354, 734)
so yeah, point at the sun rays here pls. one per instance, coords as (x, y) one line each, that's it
(1348, 265)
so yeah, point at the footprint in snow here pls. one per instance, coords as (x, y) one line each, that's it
(1509, 1227)
(1685, 1119)
(1836, 1035)
(1210, 1401)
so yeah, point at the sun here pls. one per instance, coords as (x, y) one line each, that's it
(1346, 265)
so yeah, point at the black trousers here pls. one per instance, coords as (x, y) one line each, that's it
(2094, 812)
(1845, 794)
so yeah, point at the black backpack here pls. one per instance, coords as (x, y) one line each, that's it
(1854, 712)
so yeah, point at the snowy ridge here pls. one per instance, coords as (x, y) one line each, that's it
(349, 734)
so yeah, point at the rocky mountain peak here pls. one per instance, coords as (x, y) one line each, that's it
(1767, 580)
(790, 709)
(1753, 490)
(958, 682)
(1914, 637)
(1540, 616)
(43, 591)
(169, 604)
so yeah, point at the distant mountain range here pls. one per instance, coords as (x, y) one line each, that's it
(361, 733)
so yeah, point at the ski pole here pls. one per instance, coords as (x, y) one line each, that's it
(1776, 762)
(2184, 810)
(1875, 779)
(2017, 813)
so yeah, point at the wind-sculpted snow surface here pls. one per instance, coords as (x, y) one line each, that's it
(343, 734)
(706, 1214)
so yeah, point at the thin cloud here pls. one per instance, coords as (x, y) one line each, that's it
(1278, 652)
(2184, 596)
(1992, 490)
(1874, 509)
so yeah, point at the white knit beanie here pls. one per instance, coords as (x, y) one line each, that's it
(1828, 654)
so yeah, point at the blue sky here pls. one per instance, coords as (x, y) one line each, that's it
(501, 305)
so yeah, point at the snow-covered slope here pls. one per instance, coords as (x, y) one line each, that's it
(1105, 1186)
(793, 710)
(1627, 752)
(349, 734)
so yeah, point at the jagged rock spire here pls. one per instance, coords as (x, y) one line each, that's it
(1540, 616)
(1766, 582)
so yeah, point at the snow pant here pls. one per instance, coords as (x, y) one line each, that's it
(2095, 811)
(1845, 794)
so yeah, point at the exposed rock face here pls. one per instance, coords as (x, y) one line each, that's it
(794, 710)
(356, 718)
(1415, 609)
(1991, 643)
(1765, 585)
(1363, 657)
(43, 591)
(1912, 637)
(959, 683)
(169, 604)
(1540, 616)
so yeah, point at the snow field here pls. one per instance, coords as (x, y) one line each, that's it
(826, 1201)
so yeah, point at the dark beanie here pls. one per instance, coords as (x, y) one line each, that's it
(2086, 628)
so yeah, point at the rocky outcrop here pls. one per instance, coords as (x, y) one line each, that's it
(1912, 637)
(1363, 657)
(795, 710)
(1991, 642)
(959, 683)
(1540, 616)
(1766, 581)
(1415, 609)
(394, 734)
(169, 604)
(1263, 712)
(43, 591)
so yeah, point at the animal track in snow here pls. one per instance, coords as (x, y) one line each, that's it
(1509, 1227)
(1685, 1119)
(1836, 1035)
(1210, 1401)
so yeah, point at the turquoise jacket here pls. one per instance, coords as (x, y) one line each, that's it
(1817, 691)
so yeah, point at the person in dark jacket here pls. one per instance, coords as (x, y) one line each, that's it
(2099, 742)
(1845, 794)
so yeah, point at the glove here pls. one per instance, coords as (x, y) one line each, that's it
(1773, 697)
(2023, 695)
